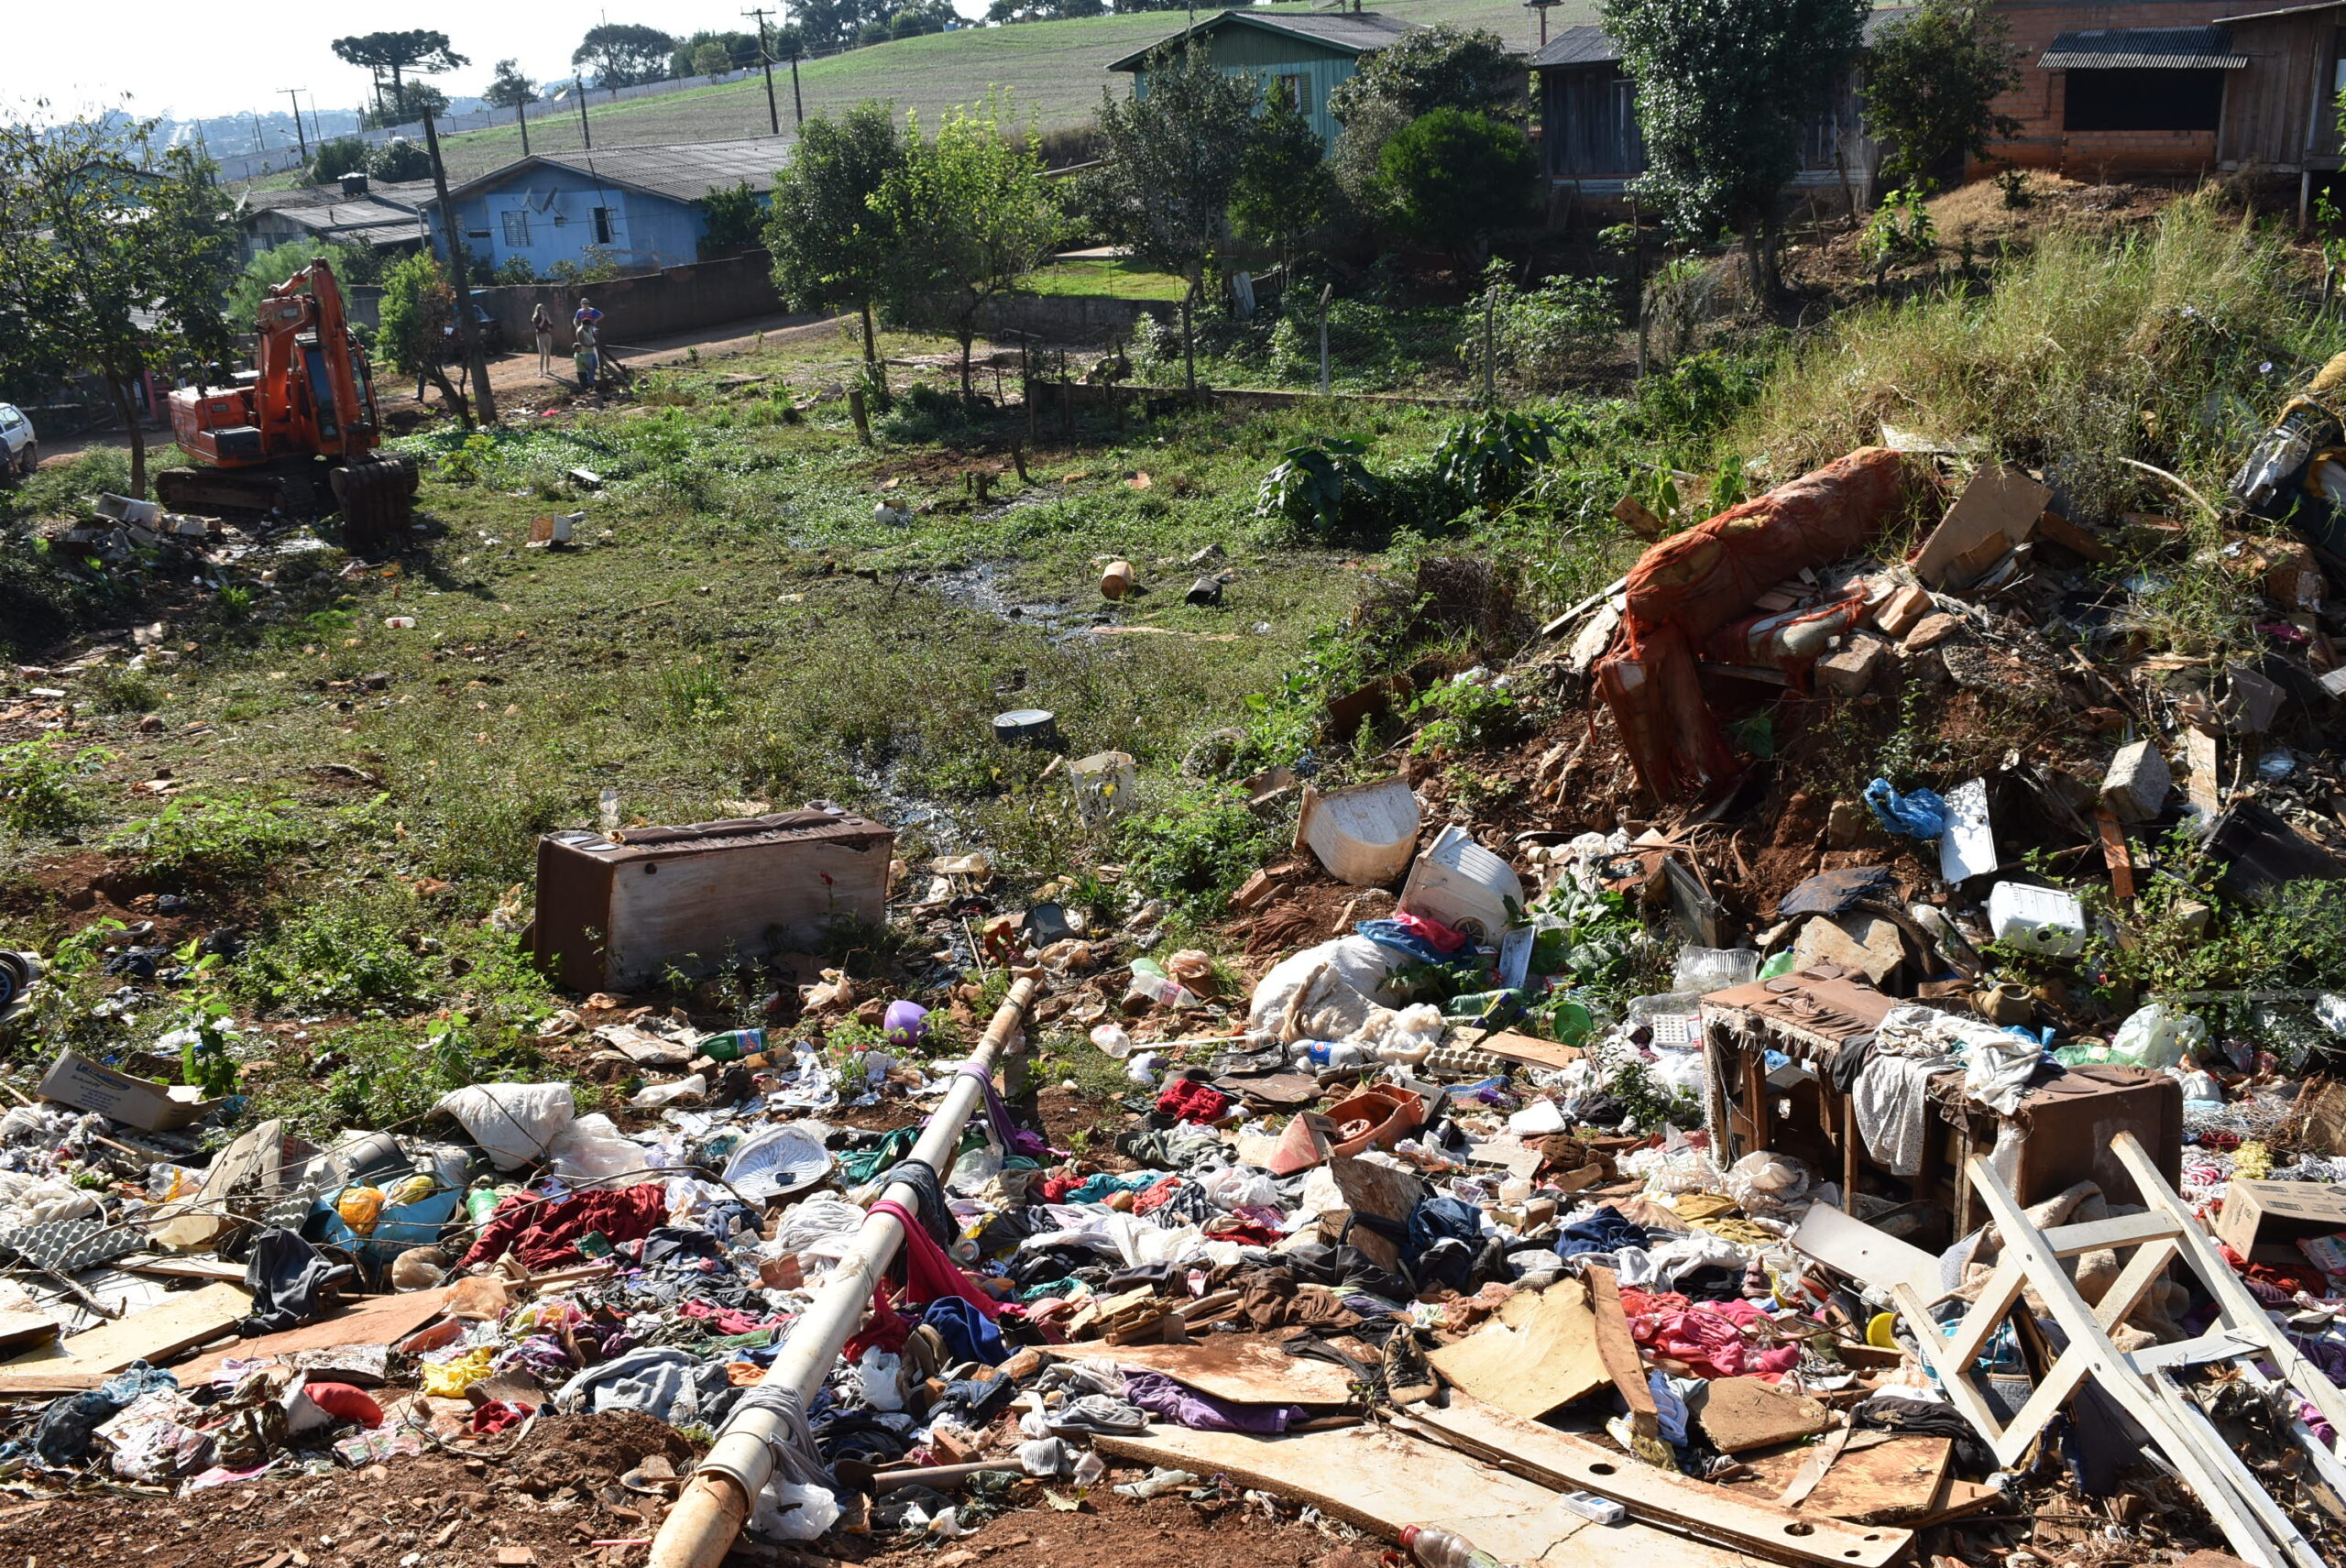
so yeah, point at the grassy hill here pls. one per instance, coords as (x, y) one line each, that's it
(1055, 67)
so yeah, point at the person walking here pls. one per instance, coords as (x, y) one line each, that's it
(541, 323)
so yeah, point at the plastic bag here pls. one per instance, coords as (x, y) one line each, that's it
(512, 1123)
(591, 1149)
(1922, 814)
(788, 1511)
(2158, 1036)
(1355, 972)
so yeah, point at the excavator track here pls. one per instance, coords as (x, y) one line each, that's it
(378, 498)
(235, 493)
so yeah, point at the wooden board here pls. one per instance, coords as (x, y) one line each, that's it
(1881, 1478)
(1243, 1370)
(183, 1322)
(1738, 1414)
(1508, 1046)
(1736, 1516)
(1869, 1256)
(22, 1331)
(1618, 1349)
(1377, 1479)
(374, 1320)
(1538, 1355)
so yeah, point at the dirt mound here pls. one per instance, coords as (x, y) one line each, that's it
(588, 1452)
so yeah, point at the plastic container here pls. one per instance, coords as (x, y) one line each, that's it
(1112, 1039)
(1713, 968)
(733, 1045)
(1589, 1506)
(2036, 919)
(1430, 1546)
(1463, 885)
(1325, 1054)
(1364, 834)
(1151, 984)
(1104, 785)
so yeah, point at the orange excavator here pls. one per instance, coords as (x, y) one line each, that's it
(301, 423)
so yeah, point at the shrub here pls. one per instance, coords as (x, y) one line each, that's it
(339, 957)
(1465, 716)
(1544, 337)
(1197, 850)
(223, 836)
(41, 785)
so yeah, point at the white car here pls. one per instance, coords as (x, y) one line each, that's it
(19, 454)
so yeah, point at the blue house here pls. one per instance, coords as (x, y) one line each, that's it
(641, 208)
(1312, 52)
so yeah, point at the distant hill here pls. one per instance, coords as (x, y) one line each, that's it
(1053, 68)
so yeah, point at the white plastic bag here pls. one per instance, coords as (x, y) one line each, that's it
(787, 1511)
(1355, 972)
(512, 1123)
(2158, 1036)
(591, 1149)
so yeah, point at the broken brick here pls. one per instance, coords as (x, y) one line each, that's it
(1852, 671)
(1897, 615)
(2136, 787)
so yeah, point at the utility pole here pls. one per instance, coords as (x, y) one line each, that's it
(583, 128)
(460, 272)
(294, 93)
(765, 60)
(259, 145)
(797, 103)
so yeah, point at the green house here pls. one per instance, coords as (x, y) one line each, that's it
(1311, 52)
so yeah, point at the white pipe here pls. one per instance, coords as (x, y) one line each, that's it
(708, 1517)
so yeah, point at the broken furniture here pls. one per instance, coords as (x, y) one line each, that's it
(2066, 1127)
(617, 911)
(2150, 1384)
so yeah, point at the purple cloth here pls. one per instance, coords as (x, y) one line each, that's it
(1016, 1139)
(1160, 1396)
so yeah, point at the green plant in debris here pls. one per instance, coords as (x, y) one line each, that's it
(1465, 716)
(41, 785)
(1196, 849)
(1593, 936)
(1900, 228)
(1320, 484)
(1491, 458)
(204, 1059)
(342, 955)
(223, 836)
(1651, 1106)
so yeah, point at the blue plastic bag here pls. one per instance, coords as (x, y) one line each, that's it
(1922, 814)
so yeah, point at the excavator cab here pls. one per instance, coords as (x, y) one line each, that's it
(304, 413)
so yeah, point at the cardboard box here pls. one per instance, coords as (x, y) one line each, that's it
(2275, 1215)
(142, 1103)
(1997, 510)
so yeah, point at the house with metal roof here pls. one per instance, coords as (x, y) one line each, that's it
(381, 214)
(1591, 145)
(638, 208)
(1312, 52)
(2185, 87)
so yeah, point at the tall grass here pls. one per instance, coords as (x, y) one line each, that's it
(2173, 346)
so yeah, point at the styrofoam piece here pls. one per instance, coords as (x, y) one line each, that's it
(1364, 834)
(2039, 919)
(1463, 885)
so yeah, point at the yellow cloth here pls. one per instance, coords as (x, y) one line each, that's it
(1693, 1206)
(449, 1379)
(2252, 1160)
(1742, 1232)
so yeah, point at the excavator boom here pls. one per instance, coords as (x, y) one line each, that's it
(305, 422)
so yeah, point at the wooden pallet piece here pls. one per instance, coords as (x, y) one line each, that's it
(1659, 1497)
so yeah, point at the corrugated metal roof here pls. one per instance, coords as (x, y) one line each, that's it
(685, 172)
(1356, 33)
(2144, 49)
(2284, 11)
(1587, 43)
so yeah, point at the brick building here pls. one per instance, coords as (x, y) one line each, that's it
(2174, 87)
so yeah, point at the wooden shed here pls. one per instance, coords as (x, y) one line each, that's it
(2280, 109)
(1590, 144)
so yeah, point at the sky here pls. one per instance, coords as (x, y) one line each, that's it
(195, 59)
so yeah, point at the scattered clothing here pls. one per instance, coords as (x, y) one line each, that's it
(544, 1233)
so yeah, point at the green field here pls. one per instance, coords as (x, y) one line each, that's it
(1114, 276)
(1056, 70)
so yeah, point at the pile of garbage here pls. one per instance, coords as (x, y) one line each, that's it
(1831, 1197)
(124, 528)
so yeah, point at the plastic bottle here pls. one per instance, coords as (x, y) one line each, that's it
(1112, 1039)
(1318, 1054)
(733, 1045)
(1430, 1546)
(1151, 984)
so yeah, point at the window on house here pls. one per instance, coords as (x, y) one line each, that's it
(1299, 88)
(517, 230)
(2144, 101)
(602, 225)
